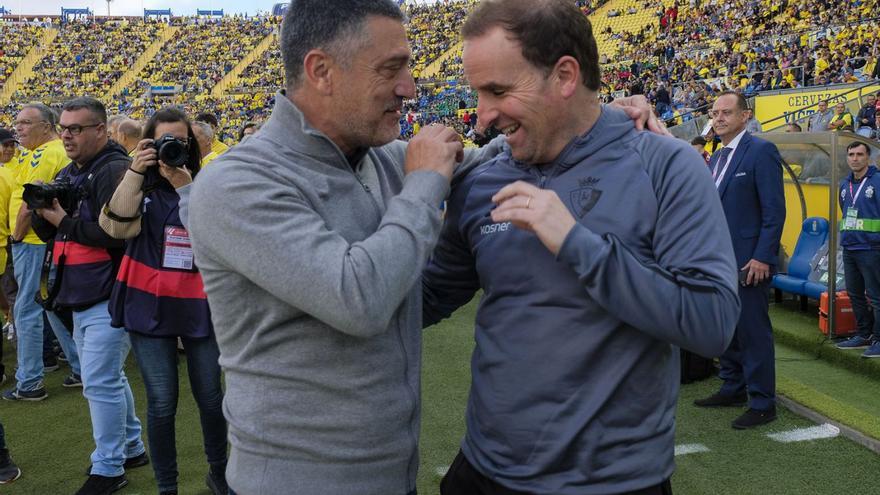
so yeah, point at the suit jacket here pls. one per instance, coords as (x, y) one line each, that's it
(753, 200)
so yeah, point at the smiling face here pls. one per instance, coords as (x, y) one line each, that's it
(515, 96)
(368, 98)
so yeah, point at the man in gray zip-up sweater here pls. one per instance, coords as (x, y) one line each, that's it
(310, 238)
(599, 249)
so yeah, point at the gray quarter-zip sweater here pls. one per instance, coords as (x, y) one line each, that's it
(310, 264)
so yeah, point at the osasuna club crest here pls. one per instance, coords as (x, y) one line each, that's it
(869, 192)
(584, 199)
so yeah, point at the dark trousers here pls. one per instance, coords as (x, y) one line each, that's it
(748, 364)
(463, 479)
(233, 493)
(157, 361)
(862, 272)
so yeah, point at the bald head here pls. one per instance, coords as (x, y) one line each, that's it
(128, 133)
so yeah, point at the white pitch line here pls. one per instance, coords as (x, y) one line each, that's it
(441, 471)
(690, 448)
(803, 434)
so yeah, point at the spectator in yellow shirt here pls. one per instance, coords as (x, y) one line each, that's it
(216, 146)
(8, 148)
(204, 135)
(8, 152)
(41, 159)
(842, 120)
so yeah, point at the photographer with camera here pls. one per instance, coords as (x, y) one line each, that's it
(86, 260)
(159, 294)
(41, 158)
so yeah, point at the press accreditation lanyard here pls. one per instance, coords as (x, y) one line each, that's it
(852, 213)
(858, 191)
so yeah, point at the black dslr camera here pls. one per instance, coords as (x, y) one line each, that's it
(172, 151)
(41, 195)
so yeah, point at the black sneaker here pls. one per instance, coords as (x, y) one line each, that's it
(72, 380)
(62, 357)
(102, 485)
(130, 463)
(9, 472)
(216, 481)
(753, 418)
(50, 364)
(15, 394)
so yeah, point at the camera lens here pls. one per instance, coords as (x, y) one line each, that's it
(172, 151)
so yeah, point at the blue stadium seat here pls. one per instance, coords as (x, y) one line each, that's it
(814, 233)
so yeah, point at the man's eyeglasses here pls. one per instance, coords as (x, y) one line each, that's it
(75, 129)
(27, 123)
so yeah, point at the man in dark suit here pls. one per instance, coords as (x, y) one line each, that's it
(748, 174)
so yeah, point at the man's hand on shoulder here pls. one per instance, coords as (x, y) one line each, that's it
(435, 148)
(638, 109)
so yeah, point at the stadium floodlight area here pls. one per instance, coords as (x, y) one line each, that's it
(158, 13)
(68, 15)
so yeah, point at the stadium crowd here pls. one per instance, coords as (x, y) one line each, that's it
(696, 51)
(87, 58)
(15, 42)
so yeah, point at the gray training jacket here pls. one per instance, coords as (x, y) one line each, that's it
(310, 269)
(575, 374)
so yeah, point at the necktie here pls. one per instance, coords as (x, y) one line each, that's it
(721, 161)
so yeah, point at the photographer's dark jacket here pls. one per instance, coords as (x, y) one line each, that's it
(89, 256)
(150, 298)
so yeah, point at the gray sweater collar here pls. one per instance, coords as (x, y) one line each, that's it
(288, 128)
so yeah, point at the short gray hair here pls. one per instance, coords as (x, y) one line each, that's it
(116, 119)
(335, 26)
(46, 113)
(205, 128)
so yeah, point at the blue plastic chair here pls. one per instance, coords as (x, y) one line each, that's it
(814, 233)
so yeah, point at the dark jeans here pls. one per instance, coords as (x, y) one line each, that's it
(2, 437)
(463, 479)
(157, 361)
(862, 272)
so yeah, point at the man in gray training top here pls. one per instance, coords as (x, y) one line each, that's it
(598, 248)
(311, 237)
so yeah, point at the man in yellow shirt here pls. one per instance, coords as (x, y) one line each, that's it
(8, 149)
(204, 135)
(217, 146)
(41, 158)
(842, 119)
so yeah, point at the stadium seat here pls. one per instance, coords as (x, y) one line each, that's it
(814, 233)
